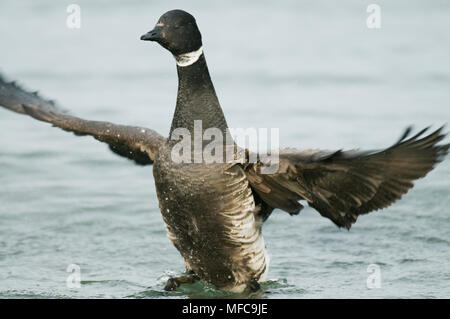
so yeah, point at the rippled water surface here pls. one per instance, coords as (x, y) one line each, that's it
(311, 68)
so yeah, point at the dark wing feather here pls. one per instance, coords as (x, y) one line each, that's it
(136, 143)
(342, 185)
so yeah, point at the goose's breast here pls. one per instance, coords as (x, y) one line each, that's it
(209, 211)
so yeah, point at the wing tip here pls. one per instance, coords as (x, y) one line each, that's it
(12, 94)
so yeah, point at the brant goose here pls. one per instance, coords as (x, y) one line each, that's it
(214, 211)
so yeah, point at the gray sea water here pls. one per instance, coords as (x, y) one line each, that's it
(311, 68)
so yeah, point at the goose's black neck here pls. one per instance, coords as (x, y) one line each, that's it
(197, 99)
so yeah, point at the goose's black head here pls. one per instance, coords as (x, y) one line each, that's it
(176, 31)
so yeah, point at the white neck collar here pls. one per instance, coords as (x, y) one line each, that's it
(189, 58)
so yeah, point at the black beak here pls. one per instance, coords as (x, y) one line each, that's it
(153, 35)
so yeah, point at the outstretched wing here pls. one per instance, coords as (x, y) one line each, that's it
(136, 143)
(342, 185)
